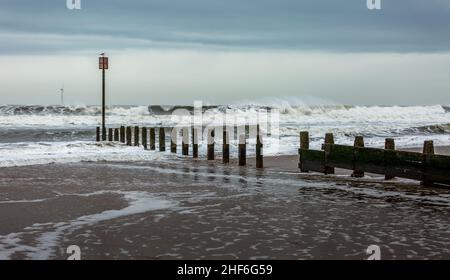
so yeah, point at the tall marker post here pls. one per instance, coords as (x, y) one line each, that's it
(103, 65)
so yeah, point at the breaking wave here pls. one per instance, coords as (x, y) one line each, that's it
(35, 126)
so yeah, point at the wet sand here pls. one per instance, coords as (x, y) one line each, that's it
(194, 209)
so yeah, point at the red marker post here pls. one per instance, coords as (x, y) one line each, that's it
(103, 65)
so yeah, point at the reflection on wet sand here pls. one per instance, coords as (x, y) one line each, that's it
(199, 210)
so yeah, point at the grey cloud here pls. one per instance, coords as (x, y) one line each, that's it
(330, 25)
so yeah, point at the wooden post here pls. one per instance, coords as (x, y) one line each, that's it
(110, 134)
(185, 142)
(259, 145)
(116, 135)
(329, 140)
(242, 150)
(162, 139)
(103, 63)
(98, 134)
(428, 151)
(226, 146)
(104, 134)
(144, 137)
(194, 142)
(210, 146)
(136, 135)
(359, 142)
(304, 145)
(122, 134)
(247, 131)
(304, 140)
(129, 135)
(152, 139)
(428, 148)
(389, 144)
(173, 140)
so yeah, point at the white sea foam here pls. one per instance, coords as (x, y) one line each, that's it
(409, 126)
(329, 115)
(22, 154)
(49, 234)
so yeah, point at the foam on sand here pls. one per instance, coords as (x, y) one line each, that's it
(49, 234)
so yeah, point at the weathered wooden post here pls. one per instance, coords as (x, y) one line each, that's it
(304, 146)
(226, 146)
(329, 140)
(173, 140)
(152, 139)
(359, 142)
(116, 135)
(98, 134)
(194, 142)
(247, 131)
(162, 139)
(210, 146)
(428, 152)
(428, 147)
(110, 134)
(129, 135)
(136, 135)
(389, 144)
(185, 141)
(259, 145)
(144, 137)
(122, 134)
(104, 134)
(242, 150)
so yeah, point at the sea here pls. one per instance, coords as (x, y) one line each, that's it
(60, 188)
(35, 134)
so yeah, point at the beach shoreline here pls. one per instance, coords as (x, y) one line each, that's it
(199, 209)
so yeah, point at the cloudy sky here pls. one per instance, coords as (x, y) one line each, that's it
(226, 51)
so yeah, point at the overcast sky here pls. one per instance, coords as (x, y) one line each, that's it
(226, 51)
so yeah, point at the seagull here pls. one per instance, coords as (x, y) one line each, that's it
(102, 54)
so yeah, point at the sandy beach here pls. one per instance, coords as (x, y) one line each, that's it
(59, 187)
(194, 209)
(116, 120)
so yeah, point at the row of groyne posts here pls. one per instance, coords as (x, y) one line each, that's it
(136, 136)
(427, 167)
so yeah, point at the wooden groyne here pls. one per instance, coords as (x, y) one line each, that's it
(426, 167)
(130, 136)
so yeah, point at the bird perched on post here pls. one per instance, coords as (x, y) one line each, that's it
(102, 54)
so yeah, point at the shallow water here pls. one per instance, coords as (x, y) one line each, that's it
(186, 209)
